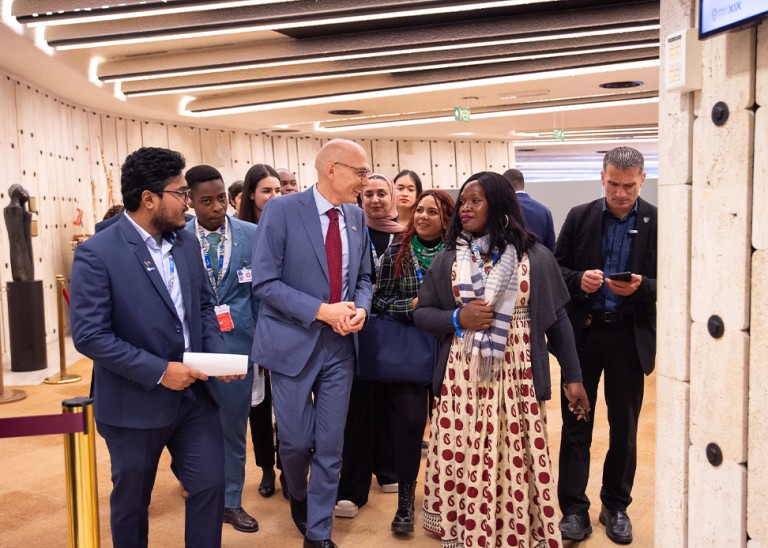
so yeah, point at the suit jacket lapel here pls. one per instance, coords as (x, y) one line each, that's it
(595, 234)
(354, 237)
(235, 260)
(643, 224)
(146, 261)
(311, 221)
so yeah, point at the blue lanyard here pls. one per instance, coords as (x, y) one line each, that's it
(417, 267)
(376, 259)
(205, 244)
(172, 267)
(479, 261)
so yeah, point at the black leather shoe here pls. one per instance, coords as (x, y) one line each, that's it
(267, 485)
(327, 543)
(240, 520)
(284, 485)
(575, 527)
(618, 527)
(299, 515)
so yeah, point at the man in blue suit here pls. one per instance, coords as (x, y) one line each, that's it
(226, 245)
(139, 301)
(537, 216)
(311, 271)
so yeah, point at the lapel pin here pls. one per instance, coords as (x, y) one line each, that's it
(354, 228)
(646, 220)
(149, 266)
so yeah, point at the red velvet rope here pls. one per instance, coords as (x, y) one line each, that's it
(66, 294)
(65, 423)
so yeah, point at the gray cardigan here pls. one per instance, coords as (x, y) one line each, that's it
(434, 313)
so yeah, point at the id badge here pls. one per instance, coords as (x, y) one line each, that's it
(224, 318)
(244, 275)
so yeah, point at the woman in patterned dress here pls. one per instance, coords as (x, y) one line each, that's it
(491, 297)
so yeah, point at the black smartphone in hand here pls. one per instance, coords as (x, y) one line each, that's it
(621, 277)
(582, 410)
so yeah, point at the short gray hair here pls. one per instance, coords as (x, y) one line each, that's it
(624, 158)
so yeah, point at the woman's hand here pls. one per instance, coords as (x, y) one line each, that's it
(476, 315)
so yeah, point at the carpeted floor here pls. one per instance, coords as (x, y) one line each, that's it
(33, 506)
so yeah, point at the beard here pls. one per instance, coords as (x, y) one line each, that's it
(166, 221)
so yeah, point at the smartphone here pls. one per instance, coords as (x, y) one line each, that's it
(621, 277)
(584, 412)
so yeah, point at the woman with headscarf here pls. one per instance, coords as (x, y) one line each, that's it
(491, 298)
(367, 448)
(401, 273)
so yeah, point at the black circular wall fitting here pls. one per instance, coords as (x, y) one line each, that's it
(715, 326)
(345, 112)
(720, 113)
(621, 85)
(714, 454)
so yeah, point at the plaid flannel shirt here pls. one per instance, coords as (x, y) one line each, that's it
(394, 297)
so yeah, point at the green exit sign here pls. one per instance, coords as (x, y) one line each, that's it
(558, 134)
(461, 114)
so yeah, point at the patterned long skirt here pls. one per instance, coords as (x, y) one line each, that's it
(488, 477)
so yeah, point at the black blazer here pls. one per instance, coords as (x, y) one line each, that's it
(579, 248)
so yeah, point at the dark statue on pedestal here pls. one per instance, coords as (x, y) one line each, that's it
(18, 221)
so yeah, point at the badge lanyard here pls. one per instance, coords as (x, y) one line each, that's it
(417, 267)
(172, 268)
(376, 258)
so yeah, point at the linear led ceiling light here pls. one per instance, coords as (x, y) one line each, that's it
(326, 58)
(102, 13)
(415, 68)
(396, 92)
(273, 26)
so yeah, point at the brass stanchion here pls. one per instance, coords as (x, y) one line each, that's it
(62, 377)
(80, 468)
(8, 395)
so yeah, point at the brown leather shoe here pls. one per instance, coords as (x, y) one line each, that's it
(240, 520)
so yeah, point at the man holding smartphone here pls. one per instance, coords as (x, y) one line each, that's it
(607, 254)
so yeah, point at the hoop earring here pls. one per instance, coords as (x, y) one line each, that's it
(506, 221)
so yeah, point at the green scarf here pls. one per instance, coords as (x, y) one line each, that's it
(423, 253)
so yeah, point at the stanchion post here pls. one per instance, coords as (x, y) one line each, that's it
(82, 487)
(62, 377)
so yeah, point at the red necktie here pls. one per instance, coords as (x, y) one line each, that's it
(333, 254)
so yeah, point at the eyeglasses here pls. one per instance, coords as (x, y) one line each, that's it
(360, 172)
(182, 193)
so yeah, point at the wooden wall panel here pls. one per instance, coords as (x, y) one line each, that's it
(261, 149)
(280, 146)
(463, 162)
(109, 160)
(497, 157)
(443, 155)
(154, 134)
(134, 136)
(477, 156)
(186, 140)
(241, 153)
(416, 156)
(306, 175)
(367, 145)
(384, 156)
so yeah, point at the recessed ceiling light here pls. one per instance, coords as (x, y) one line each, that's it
(621, 85)
(471, 98)
(345, 112)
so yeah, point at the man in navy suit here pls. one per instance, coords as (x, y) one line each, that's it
(537, 216)
(226, 245)
(140, 299)
(311, 271)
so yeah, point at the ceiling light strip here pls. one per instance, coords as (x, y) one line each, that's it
(528, 77)
(323, 58)
(414, 68)
(157, 36)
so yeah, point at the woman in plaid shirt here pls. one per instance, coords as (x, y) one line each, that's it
(401, 272)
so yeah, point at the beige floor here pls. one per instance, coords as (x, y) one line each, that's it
(33, 508)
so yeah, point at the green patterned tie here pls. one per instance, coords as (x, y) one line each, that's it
(213, 252)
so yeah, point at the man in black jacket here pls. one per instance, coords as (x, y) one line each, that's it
(607, 254)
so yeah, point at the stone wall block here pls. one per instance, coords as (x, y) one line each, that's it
(673, 282)
(760, 180)
(719, 390)
(757, 508)
(672, 445)
(761, 65)
(721, 219)
(716, 516)
(728, 72)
